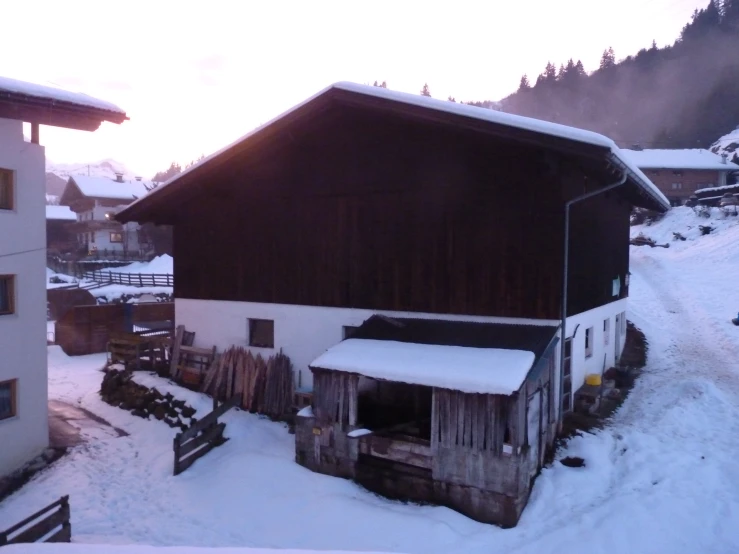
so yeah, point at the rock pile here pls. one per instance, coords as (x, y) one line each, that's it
(119, 389)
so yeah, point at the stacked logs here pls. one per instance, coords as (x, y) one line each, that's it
(264, 386)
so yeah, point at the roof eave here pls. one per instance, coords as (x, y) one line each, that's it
(55, 113)
(652, 201)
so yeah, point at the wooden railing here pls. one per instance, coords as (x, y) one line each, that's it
(202, 437)
(133, 279)
(56, 521)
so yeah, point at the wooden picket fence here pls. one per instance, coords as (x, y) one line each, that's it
(55, 519)
(201, 437)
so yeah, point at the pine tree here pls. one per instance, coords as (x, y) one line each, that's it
(425, 90)
(550, 72)
(383, 84)
(162, 176)
(608, 59)
(580, 69)
(375, 84)
(524, 84)
(451, 99)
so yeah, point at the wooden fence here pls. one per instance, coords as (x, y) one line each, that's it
(202, 437)
(86, 329)
(133, 279)
(54, 518)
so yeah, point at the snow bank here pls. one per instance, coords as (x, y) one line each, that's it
(60, 213)
(163, 264)
(140, 549)
(481, 370)
(691, 158)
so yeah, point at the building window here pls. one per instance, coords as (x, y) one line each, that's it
(7, 294)
(262, 333)
(606, 331)
(8, 405)
(6, 189)
(109, 216)
(623, 323)
(589, 342)
(348, 331)
(677, 186)
(116, 237)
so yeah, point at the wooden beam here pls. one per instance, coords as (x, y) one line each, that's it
(35, 133)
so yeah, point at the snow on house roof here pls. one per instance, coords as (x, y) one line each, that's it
(62, 213)
(102, 187)
(483, 114)
(47, 92)
(466, 369)
(693, 158)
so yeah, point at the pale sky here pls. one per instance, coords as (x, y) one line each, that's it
(193, 76)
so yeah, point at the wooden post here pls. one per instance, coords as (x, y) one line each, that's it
(35, 133)
(176, 448)
(179, 333)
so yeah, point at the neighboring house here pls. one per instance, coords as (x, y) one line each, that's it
(679, 173)
(23, 372)
(95, 201)
(60, 235)
(364, 202)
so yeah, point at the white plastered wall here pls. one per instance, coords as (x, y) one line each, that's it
(23, 334)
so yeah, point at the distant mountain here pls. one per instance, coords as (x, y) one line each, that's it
(57, 174)
(729, 145)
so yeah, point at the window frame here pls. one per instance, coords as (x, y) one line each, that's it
(10, 291)
(589, 335)
(117, 233)
(607, 331)
(252, 324)
(13, 383)
(11, 189)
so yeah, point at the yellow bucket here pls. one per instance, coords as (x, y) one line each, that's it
(593, 379)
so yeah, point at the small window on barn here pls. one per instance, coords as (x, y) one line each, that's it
(262, 333)
(677, 172)
(6, 189)
(677, 186)
(606, 331)
(116, 237)
(348, 331)
(8, 399)
(589, 342)
(7, 294)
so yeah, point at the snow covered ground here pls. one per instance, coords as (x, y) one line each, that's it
(663, 477)
(161, 265)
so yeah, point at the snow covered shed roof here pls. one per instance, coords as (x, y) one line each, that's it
(513, 127)
(60, 213)
(50, 105)
(693, 158)
(102, 187)
(485, 358)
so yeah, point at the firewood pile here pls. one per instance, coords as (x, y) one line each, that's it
(264, 386)
(642, 240)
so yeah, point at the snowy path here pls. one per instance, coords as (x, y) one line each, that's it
(663, 477)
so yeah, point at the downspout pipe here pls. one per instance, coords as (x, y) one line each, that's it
(566, 275)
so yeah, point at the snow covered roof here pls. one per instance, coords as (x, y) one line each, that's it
(63, 213)
(102, 187)
(466, 369)
(615, 154)
(678, 159)
(46, 92)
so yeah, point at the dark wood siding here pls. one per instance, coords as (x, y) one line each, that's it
(365, 210)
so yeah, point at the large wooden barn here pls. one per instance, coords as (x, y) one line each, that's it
(390, 232)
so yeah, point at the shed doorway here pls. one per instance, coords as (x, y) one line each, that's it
(392, 409)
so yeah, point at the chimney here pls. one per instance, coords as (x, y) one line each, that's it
(636, 146)
(119, 177)
(723, 157)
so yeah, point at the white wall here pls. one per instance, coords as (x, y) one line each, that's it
(604, 355)
(23, 334)
(303, 332)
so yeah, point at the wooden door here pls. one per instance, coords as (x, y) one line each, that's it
(534, 430)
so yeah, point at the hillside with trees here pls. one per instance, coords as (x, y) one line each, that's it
(681, 96)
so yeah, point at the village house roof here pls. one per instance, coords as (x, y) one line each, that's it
(49, 105)
(60, 213)
(485, 358)
(517, 128)
(103, 187)
(693, 158)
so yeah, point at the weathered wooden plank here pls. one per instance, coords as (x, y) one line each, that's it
(446, 421)
(238, 387)
(176, 345)
(208, 420)
(209, 434)
(43, 527)
(63, 535)
(341, 383)
(434, 420)
(36, 515)
(452, 418)
(353, 399)
(195, 351)
(397, 451)
(461, 397)
(469, 400)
